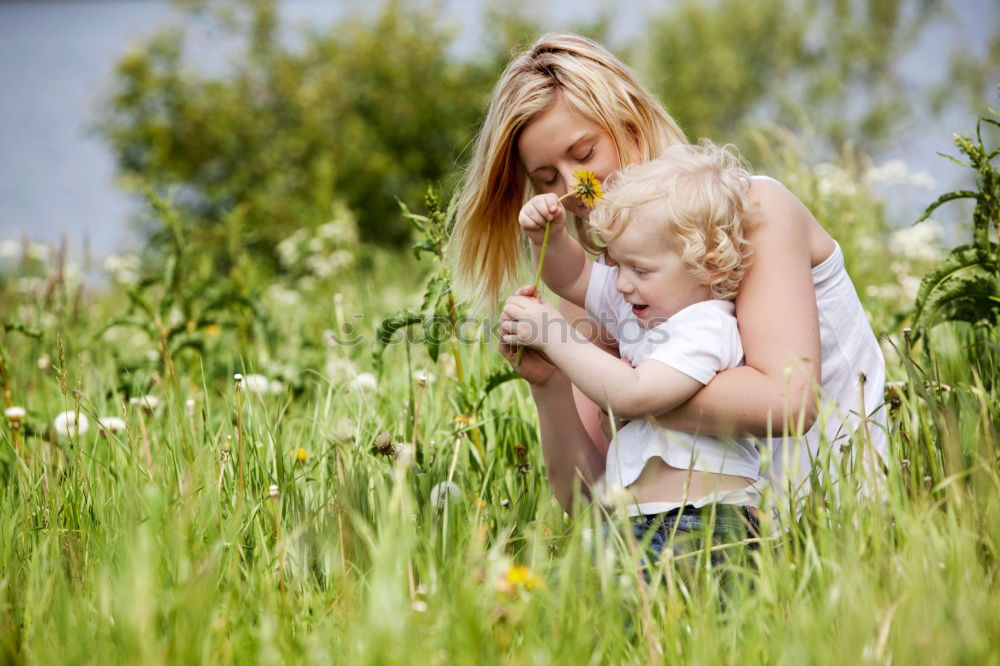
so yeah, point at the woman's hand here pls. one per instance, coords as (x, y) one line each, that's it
(540, 210)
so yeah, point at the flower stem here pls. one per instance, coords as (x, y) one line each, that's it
(538, 273)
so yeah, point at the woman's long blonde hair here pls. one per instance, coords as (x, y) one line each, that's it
(485, 244)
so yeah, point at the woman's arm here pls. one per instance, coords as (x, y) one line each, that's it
(573, 459)
(779, 328)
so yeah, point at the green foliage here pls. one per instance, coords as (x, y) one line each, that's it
(965, 286)
(180, 303)
(359, 113)
(723, 67)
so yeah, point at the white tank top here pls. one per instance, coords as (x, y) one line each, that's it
(853, 383)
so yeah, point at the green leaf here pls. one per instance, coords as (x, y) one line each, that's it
(437, 288)
(388, 329)
(425, 245)
(945, 198)
(965, 286)
(128, 322)
(23, 330)
(495, 379)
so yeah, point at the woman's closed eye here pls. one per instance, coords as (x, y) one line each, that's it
(587, 157)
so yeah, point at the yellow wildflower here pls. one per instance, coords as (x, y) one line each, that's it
(462, 420)
(588, 187)
(301, 455)
(520, 575)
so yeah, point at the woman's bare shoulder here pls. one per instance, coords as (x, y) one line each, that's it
(776, 211)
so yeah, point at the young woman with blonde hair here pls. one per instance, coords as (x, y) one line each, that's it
(813, 367)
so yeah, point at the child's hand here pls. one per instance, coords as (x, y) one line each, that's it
(534, 366)
(529, 322)
(541, 209)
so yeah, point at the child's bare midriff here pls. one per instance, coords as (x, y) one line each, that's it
(659, 482)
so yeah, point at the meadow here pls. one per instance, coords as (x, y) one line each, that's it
(330, 463)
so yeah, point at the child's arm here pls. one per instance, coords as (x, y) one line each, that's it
(566, 270)
(629, 393)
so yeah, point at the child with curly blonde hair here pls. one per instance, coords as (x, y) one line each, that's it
(674, 229)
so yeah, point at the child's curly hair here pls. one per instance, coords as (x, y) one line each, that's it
(700, 196)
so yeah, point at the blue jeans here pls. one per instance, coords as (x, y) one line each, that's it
(688, 530)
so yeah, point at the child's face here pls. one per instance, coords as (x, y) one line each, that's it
(559, 141)
(651, 276)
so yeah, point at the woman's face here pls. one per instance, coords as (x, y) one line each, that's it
(558, 142)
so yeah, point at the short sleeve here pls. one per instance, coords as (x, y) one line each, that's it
(700, 341)
(603, 303)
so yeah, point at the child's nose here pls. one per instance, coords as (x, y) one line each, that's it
(623, 285)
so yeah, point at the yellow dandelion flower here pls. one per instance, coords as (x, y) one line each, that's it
(300, 455)
(520, 575)
(462, 420)
(588, 187)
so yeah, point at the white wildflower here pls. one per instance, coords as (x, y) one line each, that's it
(918, 242)
(111, 424)
(316, 245)
(833, 180)
(39, 251)
(282, 296)
(272, 491)
(446, 492)
(189, 406)
(275, 387)
(44, 361)
(68, 423)
(419, 606)
(28, 285)
(9, 249)
(365, 383)
(896, 172)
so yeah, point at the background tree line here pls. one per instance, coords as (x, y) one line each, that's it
(374, 108)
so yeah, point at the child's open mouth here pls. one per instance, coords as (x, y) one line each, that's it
(639, 310)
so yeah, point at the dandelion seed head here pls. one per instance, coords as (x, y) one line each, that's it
(446, 492)
(110, 424)
(148, 403)
(364, 382)
(189, 406)
(405, 454)
(423, 377)
(15, 412)
(70, 423)
(44, 361)
(257, 384)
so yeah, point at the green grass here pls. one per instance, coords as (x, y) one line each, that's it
(139, 547)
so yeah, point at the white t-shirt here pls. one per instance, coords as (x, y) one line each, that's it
(700, 341)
